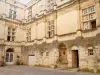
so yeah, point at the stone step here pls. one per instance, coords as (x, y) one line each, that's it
(74, 69)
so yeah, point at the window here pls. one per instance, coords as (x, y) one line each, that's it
(92, 16)
(91, 9)
(50, 28)
(8, 38)
(89, 18)
(12, 12)
(8, 33)
(86, 25)
(93, 24)
(85, 11)
(11, 34)
(85, 18)
(47, 53)
(12, 38)
(41, 53)
(29, 34)
(50, 5)
(30, 14)
(41, 9)
(90, 52)
(9, 29)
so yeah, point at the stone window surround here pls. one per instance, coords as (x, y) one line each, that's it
(11, 34)
(28, 34)
(87, 14)
(29, 13)
(90, 51)
(12, 12)
(50, 29)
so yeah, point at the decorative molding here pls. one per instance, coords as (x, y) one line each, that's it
(67, 34)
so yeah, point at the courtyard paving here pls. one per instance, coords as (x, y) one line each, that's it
(27, 70)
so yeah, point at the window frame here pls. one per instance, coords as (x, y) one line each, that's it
(29, 14)
(90, 52)
(28, 34)
(88, 14)
(51, 28)
(10, 34)
(12, 12)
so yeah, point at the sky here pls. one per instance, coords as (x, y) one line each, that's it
(23, 1)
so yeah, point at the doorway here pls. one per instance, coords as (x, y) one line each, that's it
(75, 59)
(31, 60)
(62, 54)
(9, 56)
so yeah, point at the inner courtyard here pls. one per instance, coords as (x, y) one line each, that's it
(50, 33)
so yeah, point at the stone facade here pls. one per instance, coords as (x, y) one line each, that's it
(63, 33)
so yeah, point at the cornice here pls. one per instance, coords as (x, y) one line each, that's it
(66, 4)
(11, 21)
(67, 34)
(53, 11)
(89, 30)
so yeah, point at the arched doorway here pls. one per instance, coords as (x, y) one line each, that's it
(62, 53)
(9, 56)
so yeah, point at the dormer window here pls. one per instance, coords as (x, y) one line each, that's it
(12, 12)
(29, 13)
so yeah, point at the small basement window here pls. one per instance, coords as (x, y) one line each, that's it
(90, 52)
